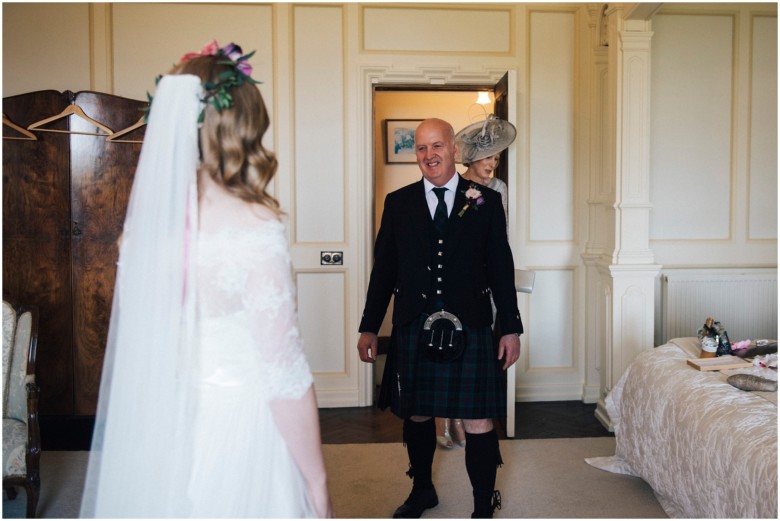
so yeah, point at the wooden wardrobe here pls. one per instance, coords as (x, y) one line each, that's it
(65, 195)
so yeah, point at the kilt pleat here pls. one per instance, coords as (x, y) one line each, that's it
(470, 387)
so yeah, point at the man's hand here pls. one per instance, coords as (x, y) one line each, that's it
(509, 349)
(367, 347)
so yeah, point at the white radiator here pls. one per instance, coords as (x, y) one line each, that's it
(744, 301)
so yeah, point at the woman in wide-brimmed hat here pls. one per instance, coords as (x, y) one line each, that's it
(479, 147)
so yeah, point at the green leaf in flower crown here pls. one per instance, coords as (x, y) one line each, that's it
(246, 56)
(225, 75)
(217, 92)
(225, 100)
(148, 109)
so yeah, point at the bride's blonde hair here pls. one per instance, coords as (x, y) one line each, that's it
(231, 146)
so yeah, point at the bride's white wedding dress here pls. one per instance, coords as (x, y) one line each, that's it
(250, 352)
(203, 339)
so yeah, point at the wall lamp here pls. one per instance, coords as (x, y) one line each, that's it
(483, 98)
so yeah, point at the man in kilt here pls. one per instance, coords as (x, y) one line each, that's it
(442, 252)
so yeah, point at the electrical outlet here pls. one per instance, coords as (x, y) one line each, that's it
(331, 258)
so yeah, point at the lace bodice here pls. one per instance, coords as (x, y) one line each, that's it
(247, 310)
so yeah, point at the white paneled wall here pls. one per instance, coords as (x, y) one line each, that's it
(714, 136)
(551, 151)
(551, 366)
(692, 126)
(321, 305)
(148, 39)
(35, 37)
(320, 187)
(551, 319)
(405, 29)
(762, 170)
(319, 124)
(712, 156)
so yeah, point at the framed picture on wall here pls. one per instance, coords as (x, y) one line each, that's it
(399, 140)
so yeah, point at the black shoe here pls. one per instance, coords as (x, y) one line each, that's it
(417, 502)
(486, 504)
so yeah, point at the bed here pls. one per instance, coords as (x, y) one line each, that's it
(709, 450)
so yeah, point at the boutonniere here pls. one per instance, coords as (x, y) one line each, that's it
(474, 197)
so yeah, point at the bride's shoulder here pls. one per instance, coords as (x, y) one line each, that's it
(220, 210)
(258, 219)
(241, 220)
(263, 213)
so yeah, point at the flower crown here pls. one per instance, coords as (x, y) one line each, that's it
(218, 92)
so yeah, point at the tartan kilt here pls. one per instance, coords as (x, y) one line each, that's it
(470, 387)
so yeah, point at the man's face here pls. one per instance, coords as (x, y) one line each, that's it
(436, 150)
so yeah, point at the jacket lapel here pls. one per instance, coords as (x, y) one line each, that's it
(421, 218)
(455, 223)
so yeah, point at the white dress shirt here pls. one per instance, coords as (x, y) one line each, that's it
(449, 195)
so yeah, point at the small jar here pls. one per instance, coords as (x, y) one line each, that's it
(709, 346)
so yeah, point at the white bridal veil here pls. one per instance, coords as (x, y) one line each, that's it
(138, 463)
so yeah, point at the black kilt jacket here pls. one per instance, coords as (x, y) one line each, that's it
(477, 261)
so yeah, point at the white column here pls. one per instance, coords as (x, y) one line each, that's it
(620, 265)
(600, 197)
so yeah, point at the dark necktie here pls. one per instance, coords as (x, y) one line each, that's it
(440, 215)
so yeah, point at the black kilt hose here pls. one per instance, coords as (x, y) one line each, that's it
(470, 387)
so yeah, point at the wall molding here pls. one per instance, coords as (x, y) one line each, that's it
(431, 75)
(101, 48)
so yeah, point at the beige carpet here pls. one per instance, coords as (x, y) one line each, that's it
(539, 479)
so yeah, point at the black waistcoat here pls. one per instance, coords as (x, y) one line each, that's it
(437, 270)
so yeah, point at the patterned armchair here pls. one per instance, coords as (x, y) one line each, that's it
(21, 433)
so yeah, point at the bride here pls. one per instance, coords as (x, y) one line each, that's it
(207, 405)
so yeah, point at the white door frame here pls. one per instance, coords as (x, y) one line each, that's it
(371, 76)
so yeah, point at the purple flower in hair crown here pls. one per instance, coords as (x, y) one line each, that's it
(231, 51)
(218, 92)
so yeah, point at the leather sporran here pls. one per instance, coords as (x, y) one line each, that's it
(442, 338)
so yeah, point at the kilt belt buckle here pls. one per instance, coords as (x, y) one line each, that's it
(442, 337)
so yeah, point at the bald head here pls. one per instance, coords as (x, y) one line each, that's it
(434, 143)
(444, 127)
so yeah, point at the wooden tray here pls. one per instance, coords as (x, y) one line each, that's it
(719, 363)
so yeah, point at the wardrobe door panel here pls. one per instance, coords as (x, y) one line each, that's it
(101, 180)
(36, 239)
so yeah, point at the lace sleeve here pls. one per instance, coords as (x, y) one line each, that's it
(249, 277)
(270, 299)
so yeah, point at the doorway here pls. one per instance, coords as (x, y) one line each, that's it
(456, 104)
(370, 155)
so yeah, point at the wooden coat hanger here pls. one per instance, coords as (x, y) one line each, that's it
(114, 138)
(71, 109)
(26, 134)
